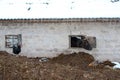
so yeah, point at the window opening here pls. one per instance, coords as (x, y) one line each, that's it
(81, 41)
(11, 40)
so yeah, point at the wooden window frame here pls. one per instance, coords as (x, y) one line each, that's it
(93, 44)
(11, 39)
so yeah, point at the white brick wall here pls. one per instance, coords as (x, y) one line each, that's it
(50, 39)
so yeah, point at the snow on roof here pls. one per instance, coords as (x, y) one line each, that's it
(13, 9)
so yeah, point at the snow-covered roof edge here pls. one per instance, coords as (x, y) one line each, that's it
(48, 20)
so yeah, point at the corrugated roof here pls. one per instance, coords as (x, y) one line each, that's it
(59, 20)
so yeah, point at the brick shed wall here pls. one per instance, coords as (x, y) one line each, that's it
(51, 39)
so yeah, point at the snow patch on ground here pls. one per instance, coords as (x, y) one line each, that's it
(117, 65)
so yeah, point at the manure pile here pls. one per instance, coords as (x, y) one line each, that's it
(64, 67)
(80, 60)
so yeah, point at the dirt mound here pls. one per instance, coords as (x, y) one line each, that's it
(108, 63)
(4, 53)
(80, 60)
(63, 67)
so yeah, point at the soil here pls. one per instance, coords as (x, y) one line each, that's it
(73, 66)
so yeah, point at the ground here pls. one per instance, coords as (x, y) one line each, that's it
(73, 66)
